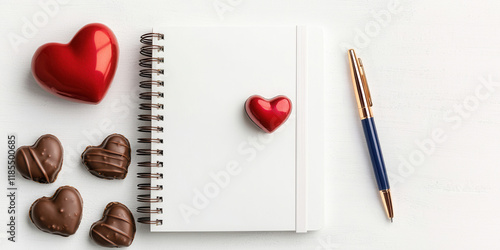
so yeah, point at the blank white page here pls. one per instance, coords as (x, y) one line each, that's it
(222, 173)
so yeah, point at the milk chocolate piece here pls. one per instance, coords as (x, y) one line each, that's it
(116, 228)
(42, 161)
(110, 160)
(60, 214)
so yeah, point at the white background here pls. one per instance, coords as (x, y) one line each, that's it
(425, 62)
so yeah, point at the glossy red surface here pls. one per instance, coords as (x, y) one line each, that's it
(81, 70)
(268, 114)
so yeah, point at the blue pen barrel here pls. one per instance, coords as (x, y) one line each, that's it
(375, 153)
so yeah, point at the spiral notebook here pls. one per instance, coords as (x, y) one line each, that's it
(210, 167)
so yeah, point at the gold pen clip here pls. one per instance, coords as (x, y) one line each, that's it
(365, 83)
(360, 86)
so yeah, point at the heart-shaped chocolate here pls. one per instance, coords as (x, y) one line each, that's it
(81, 70)
(116, 228)
(268, 114)
(110, 160)
(60, 214)
(42, 161)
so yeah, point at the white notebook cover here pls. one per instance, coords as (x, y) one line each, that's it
(220, 172)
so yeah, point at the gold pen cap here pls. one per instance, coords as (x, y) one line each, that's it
(360, 85)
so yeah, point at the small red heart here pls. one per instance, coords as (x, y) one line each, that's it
(268, 114)
(81, 70)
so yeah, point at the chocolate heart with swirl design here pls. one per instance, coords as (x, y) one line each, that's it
(116, 228)
(42, 161)
(110, 160)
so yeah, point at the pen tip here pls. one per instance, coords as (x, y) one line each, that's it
(391, 220)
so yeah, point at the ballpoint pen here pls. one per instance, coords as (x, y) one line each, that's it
(364, 101)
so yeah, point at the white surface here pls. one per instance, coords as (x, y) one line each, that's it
(423, 66)
(315, 156)
(301, 131)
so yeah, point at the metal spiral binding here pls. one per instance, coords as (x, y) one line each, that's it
(149, 83)
(148, 198)
(147, 72)
(150, 95)
(150, 140)
(150, 176)
(150, 106)
(147, 186)
(150, 129)
(151, 117)
(148, 164)
(148, 210)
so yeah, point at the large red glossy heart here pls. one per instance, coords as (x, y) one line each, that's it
(81, 70)
(268, 114)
